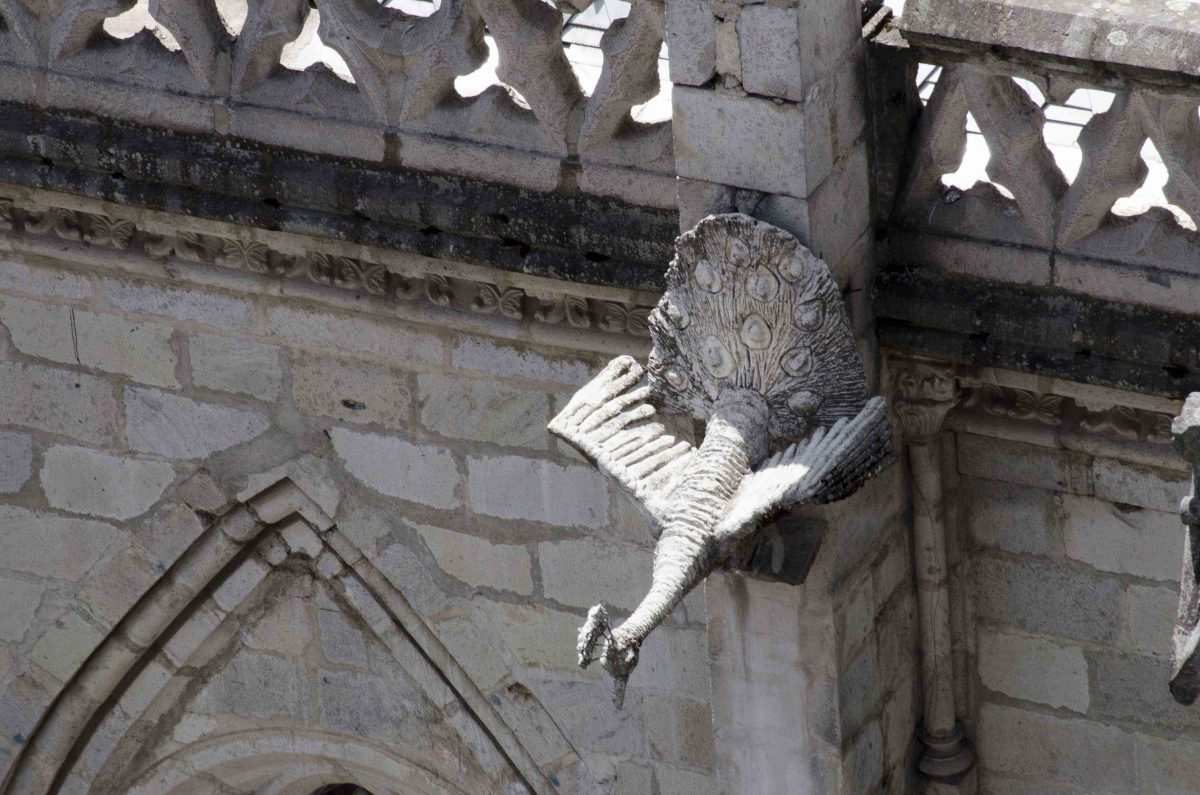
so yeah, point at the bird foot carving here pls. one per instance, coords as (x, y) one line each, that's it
(618, 653)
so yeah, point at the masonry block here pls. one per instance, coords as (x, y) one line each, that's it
(174, 426)
(87, 481)
(45, 331)
(22, 277)
(1013, 518)
(234, 365)
(139, 350)
(1043, 597)
(478, 562)
(483, 411)
(1121, 481)
(20, 598)
(1122, 538)
(421, 473)
(514, 487)
(748, 142)
(58, 401)
(1034, 669)
(485, 356)
(189, 303)
(16, 461)
(692, 42)
(585, 572)
(351, 392)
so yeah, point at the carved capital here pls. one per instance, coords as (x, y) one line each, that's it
(923, 394)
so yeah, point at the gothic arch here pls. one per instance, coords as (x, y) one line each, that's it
(239, 549)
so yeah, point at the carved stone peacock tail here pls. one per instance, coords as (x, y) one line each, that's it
(751, 337)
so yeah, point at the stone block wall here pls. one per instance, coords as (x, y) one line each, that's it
(1071, 575)
(129, 389)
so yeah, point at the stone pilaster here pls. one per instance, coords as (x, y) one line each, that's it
(922, 397)
(1185, 679)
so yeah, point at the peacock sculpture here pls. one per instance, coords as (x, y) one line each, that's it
(751, 337)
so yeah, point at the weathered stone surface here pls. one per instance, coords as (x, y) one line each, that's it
(535, 633)
(1034, 669)
(181, 303)
(679, 730)
(65, 645)
(858, 691)
(20, 599)
(1042, 597)
(1038, 746)
(691, 37)
(38, 280)
(256, 685)
(1010, 517)
(86, 481)
(479, 562)
(769, 38)
(681, 781)
(342, 333)
(59, 401)
(397, 468)
(1121, 481)
(1121, 538)
(1131, 687)
(16, 461)
(1150, 618)
(341, 641)
(483, 411)
(486, 356)
(352, 392)
(233, 365)
(141, 351)
(744, 141)
(165, 535)
(51, 545)
(118, 584)
(512, 487)
(37, 329)
(582, 573)
(1020, 464)
(178, 427)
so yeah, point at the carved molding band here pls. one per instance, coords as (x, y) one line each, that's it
(352, 274)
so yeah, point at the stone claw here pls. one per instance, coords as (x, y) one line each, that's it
(595, 627)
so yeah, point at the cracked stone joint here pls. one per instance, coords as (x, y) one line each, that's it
(751, 337)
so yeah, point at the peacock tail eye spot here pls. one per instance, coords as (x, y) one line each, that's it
(676, 379)
(762, 284)
(738, 252)
(717, 358)
(792, 268)
(707, 277)
(804, 402)
(678, 315)
(755, 332)
(810, 314)
(798, 362)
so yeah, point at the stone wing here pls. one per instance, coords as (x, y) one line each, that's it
(827, 466)
(612, 423)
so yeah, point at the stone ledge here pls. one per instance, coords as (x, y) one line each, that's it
(1162, 37)
(1057, 334)
(569, 237)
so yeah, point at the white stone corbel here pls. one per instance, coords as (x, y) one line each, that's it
(923, 394)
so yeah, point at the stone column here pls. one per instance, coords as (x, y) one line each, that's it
(1185, 679)
(922, 396)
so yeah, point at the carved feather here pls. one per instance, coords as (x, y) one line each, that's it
(612, 423)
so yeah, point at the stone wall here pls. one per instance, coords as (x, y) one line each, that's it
(143, 399)
(1070, 567)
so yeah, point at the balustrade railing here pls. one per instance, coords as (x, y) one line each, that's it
(223, 66)
(1008, 73)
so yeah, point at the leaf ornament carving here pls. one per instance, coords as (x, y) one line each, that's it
(622, 317)
(1112, 167)
(269, 27)
(246, 255)
(201, 36)
(1045, 408)
(571, 309)
(508, 301)
(78, 23)
(629, 76)
(438, 290)
(111, 232)
(57, 221)
(23, 23)
(528, 34)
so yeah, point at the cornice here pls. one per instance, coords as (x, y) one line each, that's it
(288, 258)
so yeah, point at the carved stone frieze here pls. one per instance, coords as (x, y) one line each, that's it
(751, 337)
(341, 272)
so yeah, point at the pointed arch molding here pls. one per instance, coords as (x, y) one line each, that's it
(279, 522)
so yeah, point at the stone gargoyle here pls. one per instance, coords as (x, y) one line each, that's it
(751, 337)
